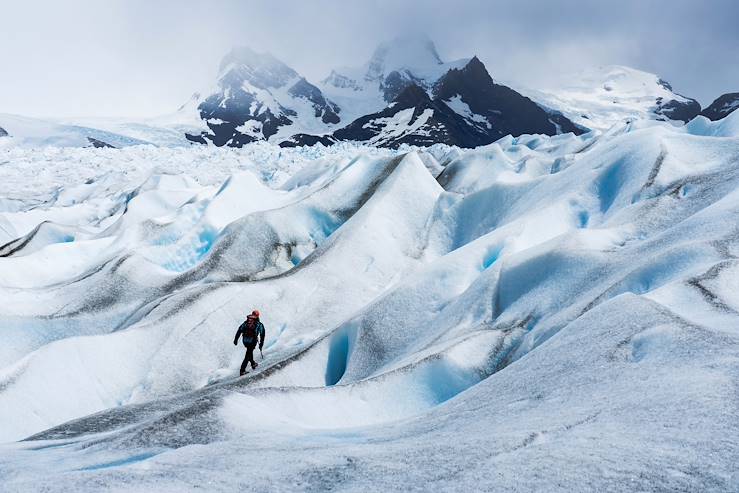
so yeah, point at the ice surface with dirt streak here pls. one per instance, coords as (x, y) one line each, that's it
(540, 314)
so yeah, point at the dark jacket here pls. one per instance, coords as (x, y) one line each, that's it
(250, 330)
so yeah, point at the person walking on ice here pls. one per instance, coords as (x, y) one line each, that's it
(251, 330)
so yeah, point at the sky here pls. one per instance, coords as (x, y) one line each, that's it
(72, 58)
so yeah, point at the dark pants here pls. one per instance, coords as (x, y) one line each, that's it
(249, 358)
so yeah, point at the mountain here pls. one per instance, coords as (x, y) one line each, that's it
(495, 108)
(404, 94)
(466, 108)
(413, 118)
(722, 106)
(601, 97)
(258, 97)
(393, 66)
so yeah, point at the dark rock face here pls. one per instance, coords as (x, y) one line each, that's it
(326, 110)
(485, 112)
(3, 132)
(227, 111)
(337, 80)
(247, 105)
(722, 106)
(100, 144)
(674, 109)
(563, 123)
(395, 83)
(665, 84)
(440, 124)
(505, 110)
(678, 110)
(308, 140)
(196, 139)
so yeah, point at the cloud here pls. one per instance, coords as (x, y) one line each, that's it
(135, 57)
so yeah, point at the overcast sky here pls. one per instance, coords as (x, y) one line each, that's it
(137, 57)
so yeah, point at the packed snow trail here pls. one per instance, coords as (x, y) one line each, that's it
(549, 314)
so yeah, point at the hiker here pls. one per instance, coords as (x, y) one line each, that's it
(250, 330)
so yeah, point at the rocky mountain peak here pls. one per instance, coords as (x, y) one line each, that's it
(472, 77)
(722, 106)
(411, 96)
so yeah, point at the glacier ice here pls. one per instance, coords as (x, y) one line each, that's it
(539, 314)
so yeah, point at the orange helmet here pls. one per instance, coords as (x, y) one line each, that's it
(255, 313)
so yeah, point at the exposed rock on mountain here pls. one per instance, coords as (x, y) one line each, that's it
(99, 143)
(677, 109)
(722, 106)
(413, 118)
(468, 109)
(326, 110)
(494, 108)
(307, 140)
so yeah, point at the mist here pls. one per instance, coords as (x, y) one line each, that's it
(136, 58)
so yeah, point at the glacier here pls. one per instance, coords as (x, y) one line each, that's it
(538, 314)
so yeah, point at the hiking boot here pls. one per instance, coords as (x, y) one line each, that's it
(254, 365)
(242, 373)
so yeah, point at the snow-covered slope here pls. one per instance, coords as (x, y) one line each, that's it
(169, 130)
(20, 131)
(601, 97)
(166, 130)
(550, 314)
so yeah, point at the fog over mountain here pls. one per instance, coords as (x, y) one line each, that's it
(136, 58)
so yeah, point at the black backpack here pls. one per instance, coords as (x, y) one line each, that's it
(250, 329)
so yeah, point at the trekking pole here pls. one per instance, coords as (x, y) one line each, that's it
(261, 353)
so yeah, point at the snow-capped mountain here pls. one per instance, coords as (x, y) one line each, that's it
(601, 97)
(258, 97)
(463, 107)
(394, 65)
(404, 94)
(722, 106)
